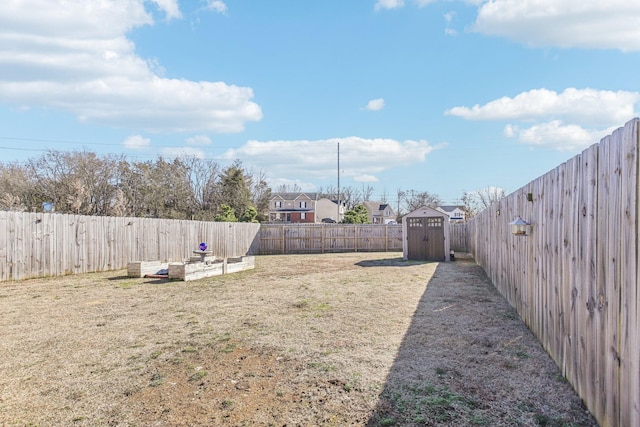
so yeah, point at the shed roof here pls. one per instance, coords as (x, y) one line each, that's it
(425, 211)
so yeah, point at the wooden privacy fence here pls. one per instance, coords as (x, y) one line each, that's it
(320, 238)
(575, 279)
(44, 244)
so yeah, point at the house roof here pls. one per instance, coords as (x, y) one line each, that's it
(377, 206)
(294, 196)
(451, 208)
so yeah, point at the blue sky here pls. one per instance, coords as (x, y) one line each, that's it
(442, 96)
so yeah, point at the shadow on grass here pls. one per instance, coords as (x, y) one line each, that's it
(118, 278)
(459, 364)
(148, 280)
(389, 262)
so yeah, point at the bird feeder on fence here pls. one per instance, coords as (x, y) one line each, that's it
(520, 227)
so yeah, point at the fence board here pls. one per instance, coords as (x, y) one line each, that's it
(629, 291)
(610, 325)
(571, 252)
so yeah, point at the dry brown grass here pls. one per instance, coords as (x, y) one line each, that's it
(334, 339)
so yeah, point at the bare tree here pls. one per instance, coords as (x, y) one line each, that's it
(384, 197)
(414, 199)
(400, 197)
(289, 188)
(78, 182)
(366, 193)
(260, 193)
(203, 176)
(18, 189)
(119, 205)
(478, 200)
(349, 197)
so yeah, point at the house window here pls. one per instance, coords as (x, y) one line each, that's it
(278, 204)
(303, 215)
(303, 204)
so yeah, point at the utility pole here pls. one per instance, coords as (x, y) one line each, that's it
(338, 217)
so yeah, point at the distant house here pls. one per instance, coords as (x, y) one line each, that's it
(456, 213)
(328, 211)
(303, 208)
(380, 213)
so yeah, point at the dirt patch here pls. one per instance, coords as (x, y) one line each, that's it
(362, 339)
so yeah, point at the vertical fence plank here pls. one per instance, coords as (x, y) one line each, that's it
(630, 277)
(571, 271)
(589, 243)
(604, 275)
(4, 245)
(611, 320)
(17, 231)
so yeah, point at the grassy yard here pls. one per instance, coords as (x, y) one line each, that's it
(361, 339)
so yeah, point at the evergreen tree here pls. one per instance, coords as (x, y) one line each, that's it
(226, 214)
(357, 215)
(234, 189)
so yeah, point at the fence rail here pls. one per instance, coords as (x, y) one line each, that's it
(320, 238)
(575, 279)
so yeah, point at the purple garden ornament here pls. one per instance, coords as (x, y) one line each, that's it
(203, 246)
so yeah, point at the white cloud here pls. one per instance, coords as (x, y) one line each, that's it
(365, 178)
(216, 6)
(448, 17)
(570, 120)
(174, 152)
(136, 142)
(510, 131)
(389, 4)
(74, 55)
(360, 158)
(601, 107)
(199, 140)
(557, 135)
(375, 104)
(169, 7)
(611, 24)
(274, 183)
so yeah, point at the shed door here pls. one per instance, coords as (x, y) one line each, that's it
(425, 239)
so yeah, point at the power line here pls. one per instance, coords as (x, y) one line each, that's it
(57, 141)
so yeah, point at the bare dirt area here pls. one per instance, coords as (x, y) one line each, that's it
(358, 339)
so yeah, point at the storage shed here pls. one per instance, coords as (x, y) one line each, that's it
(425, 235)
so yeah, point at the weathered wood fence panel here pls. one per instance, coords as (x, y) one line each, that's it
(45, 244)
(575, 279)
(458, 236)
(321, 238)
